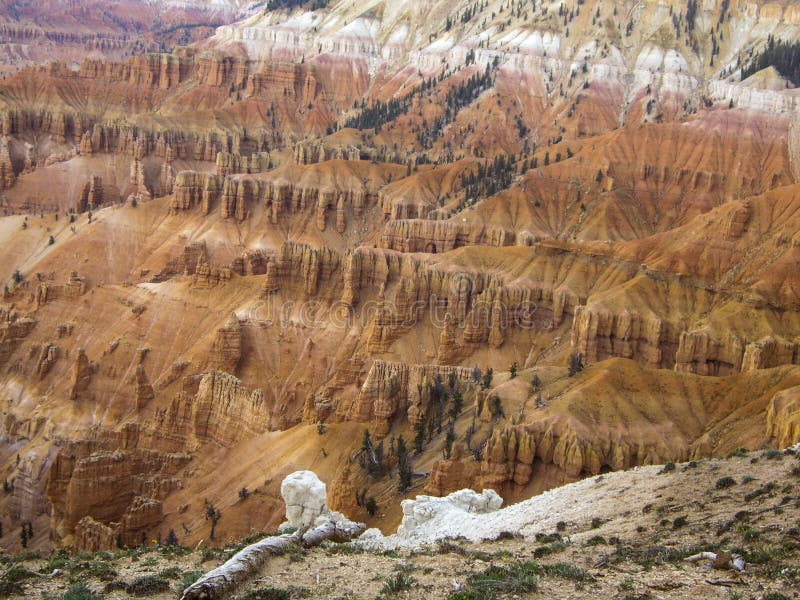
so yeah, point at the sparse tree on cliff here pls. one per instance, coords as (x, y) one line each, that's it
(403, 466)
(476, 374)
(371, 456)
(448, 440)
(372, 506)
(496, 407)
(513, 370)
(23, 536)
(575, 364)
(419, 435)
(456, 405)
(172, 538)
(213, 514)
(487, 378)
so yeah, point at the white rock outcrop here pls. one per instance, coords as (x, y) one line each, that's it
(305, 496)
(468, 515)
(417, 513)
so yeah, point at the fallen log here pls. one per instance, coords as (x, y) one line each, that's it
(221, 582)
(721, 560)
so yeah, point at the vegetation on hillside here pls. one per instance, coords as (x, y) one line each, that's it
(784, 56)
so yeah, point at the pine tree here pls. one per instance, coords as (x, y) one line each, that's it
(496, 408)
(536, 383)
(213, 514)
(448, 440)
(172, 538)
(403, 466)
(575, 364)
(419, 435)
(372, 506)
(487, 378)
(456, 405)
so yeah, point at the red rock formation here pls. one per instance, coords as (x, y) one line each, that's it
(193, 189)
(93, 536)
(7, 175)
(74, 288)
(92, 196)
(599, 334)
(47, 356)
(394, 387)
(440, 236)
(783, 418)
(221, 411)
(143, 389)
(81, 376)
(226, 350)
(14, 328)
(448, 476)
(636, 219)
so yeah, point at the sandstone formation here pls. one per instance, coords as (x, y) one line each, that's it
(81, 376)
(221, 411)
(144, 390)
(226, 351)
(537, 243)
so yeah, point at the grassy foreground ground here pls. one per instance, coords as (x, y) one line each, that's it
(629, 548)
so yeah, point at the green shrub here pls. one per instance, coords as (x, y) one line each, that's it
(189, 578)
(207, 554)
(514, 578)
(147, 585)
(80, 591)
(116, 585)
(102, 570)
(9, 589)
(398, 583)
(596, 540)
(170, 573)
(16, 574)
(469, 595)
(565, 571)
(748, 533)
(266, 594)
(553, 548)
(724, 483)
(345, 548)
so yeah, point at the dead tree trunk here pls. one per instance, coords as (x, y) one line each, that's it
(221, 582)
